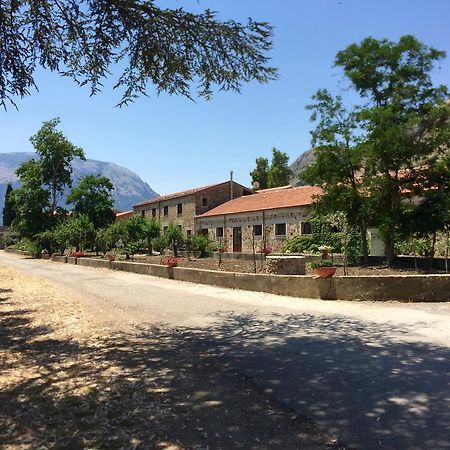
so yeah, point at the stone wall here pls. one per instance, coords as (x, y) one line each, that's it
(292, 217)
(191, 206)
(410, 288)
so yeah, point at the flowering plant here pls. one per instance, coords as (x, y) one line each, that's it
(266, 250)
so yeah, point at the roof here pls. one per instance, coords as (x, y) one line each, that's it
(161, 198)
(267, 199)
(124, 215)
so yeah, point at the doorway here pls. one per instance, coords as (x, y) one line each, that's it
(237, 239)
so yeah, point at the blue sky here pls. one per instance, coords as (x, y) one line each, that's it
(175, 144)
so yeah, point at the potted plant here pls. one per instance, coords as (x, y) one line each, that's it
(324, 268)
(170, 261)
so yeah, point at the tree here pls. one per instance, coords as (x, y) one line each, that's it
(168, 48)
(401, 119)
(174, 236)
(151, 231)
(338, 166)
(92, 197)
(56, 153)
(79, 232)
(279, 172)
(32, 201)
(8, 210)
(260, 173)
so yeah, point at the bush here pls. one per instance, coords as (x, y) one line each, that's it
(160, 244)
(202, 245)
(27, 245)
(174, 237)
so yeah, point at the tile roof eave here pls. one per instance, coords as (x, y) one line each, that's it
(206, 215)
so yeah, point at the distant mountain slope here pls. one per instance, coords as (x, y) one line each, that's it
(129, 189)
(305, 159)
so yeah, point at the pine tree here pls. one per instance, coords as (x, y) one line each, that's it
(8, 210)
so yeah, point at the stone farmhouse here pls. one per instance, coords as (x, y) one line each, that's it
(266, 218)
(183, 207)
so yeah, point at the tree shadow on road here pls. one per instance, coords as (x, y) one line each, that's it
(345, 374)
(216, 387)
(156, 388)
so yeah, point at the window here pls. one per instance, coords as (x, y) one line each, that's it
(166, 211)
(180, 208)
(180, 227)
(153, 212)
(204, 231)
(280, 229)
(142, 213)
(188, 233)
(204, 201)
(164, 229)
(219, 232)
(257, 230)
(306, 228)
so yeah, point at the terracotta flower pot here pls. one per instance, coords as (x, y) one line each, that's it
(325, 272)
(170, 261)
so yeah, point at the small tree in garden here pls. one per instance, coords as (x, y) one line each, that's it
(116, 235)
(202, 245)
(174, 236)
(151, 230)
(80, 232)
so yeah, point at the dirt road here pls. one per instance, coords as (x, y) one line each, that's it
(374, 375)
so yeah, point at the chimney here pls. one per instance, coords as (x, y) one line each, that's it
(231, 185)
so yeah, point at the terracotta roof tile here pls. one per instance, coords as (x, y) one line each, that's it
(267, 199)
(124, 215)
(161, 198)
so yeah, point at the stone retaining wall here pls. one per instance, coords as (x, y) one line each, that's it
(414, 288)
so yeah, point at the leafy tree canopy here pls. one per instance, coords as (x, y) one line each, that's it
(32, 201)
(56, 153)
(401, 125)
(92, 197)
(261, 173)
(171, 49)
(279, 173)
(275, 175)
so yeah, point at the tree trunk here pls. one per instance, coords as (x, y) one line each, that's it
(389, 245)
(446, 250)
(364, 245)
(150, 248)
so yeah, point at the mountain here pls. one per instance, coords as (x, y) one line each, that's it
(305, 159)
(129, 189)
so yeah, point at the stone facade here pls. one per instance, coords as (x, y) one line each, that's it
(184, 206)
(272, 228)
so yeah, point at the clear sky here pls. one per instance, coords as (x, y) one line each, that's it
(175, 144)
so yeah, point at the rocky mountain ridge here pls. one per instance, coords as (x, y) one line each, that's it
(129, 188)
(305, 159)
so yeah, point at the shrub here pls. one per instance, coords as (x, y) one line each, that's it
(174, 236)
(27, 245)
(160, 244)
(202, 245)
(321, 263)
